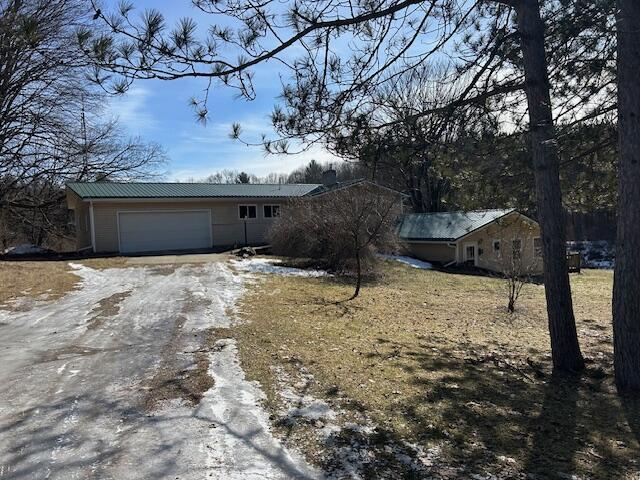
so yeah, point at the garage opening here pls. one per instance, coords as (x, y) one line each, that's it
(156, 231)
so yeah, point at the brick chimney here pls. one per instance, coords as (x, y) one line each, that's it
(329, 177)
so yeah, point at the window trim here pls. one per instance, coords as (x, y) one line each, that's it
(255, 205)
(264, 206)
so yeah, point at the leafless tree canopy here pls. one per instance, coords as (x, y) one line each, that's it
(51, 125)
(342, 229)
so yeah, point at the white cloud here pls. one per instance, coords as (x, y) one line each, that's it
(200, 150)
(131, 109)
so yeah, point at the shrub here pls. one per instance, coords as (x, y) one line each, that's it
(341, 229)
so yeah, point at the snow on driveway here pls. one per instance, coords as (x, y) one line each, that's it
(76, 372)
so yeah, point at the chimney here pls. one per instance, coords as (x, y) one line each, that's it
(329, 177)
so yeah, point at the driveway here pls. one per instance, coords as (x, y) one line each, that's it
(111, 382)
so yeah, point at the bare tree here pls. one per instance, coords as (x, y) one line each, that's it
(51, 128)
(517, 267)
(342, 228)
(415, 152)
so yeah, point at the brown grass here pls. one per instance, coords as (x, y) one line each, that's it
(179, 375)
(46, 279)
(434, 358)
(107, 307)
(34, 279)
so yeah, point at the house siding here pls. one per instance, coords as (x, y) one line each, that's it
(506, 230)
(227, 227)
(81, 220)
(432, 252)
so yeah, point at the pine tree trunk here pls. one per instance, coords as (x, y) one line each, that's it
(562, 327)
(626, 285)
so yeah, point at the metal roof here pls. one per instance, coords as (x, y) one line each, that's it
(446, 225)
(94, 190)
(336, 186)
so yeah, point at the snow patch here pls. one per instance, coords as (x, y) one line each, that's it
(301, 406)
(412, 262)
(350, 439)
(244, 446)
(263, 265)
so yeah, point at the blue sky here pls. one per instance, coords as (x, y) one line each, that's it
(159, 111)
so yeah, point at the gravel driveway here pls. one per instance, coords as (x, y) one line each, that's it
(114, 381)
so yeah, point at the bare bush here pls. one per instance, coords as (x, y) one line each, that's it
(342, 229)
(517, 264)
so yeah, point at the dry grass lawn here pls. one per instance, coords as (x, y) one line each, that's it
(435, 359)
(50, 279)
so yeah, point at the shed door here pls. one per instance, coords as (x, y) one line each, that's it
(159, 231)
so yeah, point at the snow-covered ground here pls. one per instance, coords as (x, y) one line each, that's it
(412, 262)
(270, 265)
(76, 372)
(245, 448)
(595, 254)
(348, 438)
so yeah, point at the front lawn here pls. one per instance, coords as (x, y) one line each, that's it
(434, 361)
(42, 279)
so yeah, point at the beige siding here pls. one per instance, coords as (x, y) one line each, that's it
(432, 252)
(227, 227)
(506, 230)
(82, 220)
(83, 226)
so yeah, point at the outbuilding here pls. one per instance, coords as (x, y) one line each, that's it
(489, 239)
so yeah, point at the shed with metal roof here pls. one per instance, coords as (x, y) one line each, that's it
(487, 239)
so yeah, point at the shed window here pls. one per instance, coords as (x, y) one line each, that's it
(247, 211)
(517, 247)
(537, 247)
(271, 211)
(496, 248)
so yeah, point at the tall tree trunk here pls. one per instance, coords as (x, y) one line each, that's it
(562, 326)
(626, 285)
(358, 276)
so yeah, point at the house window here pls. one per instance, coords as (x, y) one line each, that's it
(537, 247)
(247, 211)
(517, 247)
(496, 248)
(271, 211)
(470, 252)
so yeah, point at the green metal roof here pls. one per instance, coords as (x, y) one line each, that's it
(446, 225)
(94, 190)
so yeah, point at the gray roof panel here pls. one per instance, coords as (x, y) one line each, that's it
(446, 225)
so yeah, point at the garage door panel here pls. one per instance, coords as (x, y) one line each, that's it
(164, 230)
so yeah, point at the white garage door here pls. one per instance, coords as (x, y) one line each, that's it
(158, 231)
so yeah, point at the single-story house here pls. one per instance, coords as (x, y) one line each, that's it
(489, 239)
(154, 217)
